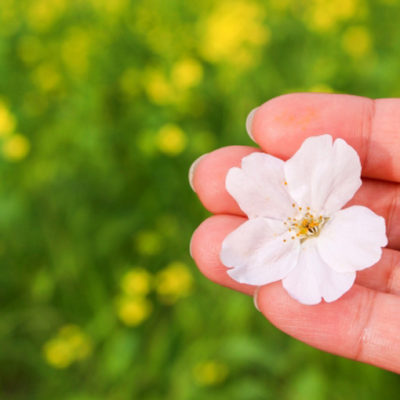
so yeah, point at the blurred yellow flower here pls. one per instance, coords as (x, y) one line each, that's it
(133, 311)
(174, 282)
(58, 353)
(7, 120)
(110, 8)
(136, 282)
(75, 50)
(321, 88)
(148, 242)
(157, 88)
(187, 73)
(43, 13)
(232, 30)
(324, 15)
(78, 341)
(210, 373)
(46, 77)
(71, 344)
(16, 147)
(356, 41)
(171, 140)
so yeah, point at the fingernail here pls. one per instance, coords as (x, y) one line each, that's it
(255, 298)
(192, 169)
(190, 246)
(249, 122)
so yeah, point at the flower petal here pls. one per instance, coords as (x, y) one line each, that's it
(260, 251)
(313, 280)
(259, 187)
(352, 239)
(323, 176)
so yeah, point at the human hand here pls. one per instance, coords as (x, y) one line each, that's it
(364, 324)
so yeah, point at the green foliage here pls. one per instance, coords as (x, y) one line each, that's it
(103, 107)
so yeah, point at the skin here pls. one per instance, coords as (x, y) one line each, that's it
(364, 324)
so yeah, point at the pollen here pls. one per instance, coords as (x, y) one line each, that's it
(305, 226)
(285, 183)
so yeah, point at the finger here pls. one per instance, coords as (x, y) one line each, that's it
(209, 175)
(209, 182)
(372, 127)
(206, 245)
(383, 276)
(363, 324)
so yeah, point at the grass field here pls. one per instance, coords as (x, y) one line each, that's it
(103, 107)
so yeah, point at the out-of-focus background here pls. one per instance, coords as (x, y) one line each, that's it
(104, 104)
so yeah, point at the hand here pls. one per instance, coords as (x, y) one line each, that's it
(365, 323)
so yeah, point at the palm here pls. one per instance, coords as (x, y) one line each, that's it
(365, 323)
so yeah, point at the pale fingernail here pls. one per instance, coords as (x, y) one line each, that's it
(255, 298)
(192, 170)
(190, 246)
(249, 122)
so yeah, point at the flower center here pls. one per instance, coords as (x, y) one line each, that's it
(305, 225)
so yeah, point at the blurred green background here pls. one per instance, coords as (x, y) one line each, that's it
(104, 104)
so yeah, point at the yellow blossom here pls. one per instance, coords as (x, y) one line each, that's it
(174, 282)
(16, 147)
(210, 373)
(110, 8)
(187, 73)
(70, 345)
(133, 311)
(136, 282)
(233, 27)
(157, 88)
(356, 41)
(46, 77)
(171, 140)
(148, 242)
(78, 341)
(7, 120)
(321, 88)
(75, 51)
(58, 353)
(324, 15)
(43, 13)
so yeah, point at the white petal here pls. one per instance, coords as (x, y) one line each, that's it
(260, 251)
(323, 176)
(259, 187)
(352, 239)
(313, 280)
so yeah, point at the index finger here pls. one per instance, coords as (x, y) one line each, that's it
(372, 127)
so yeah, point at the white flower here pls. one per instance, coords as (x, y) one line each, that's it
(297, 231)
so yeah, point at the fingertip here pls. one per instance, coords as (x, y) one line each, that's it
(206, 246)
(209, 174)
